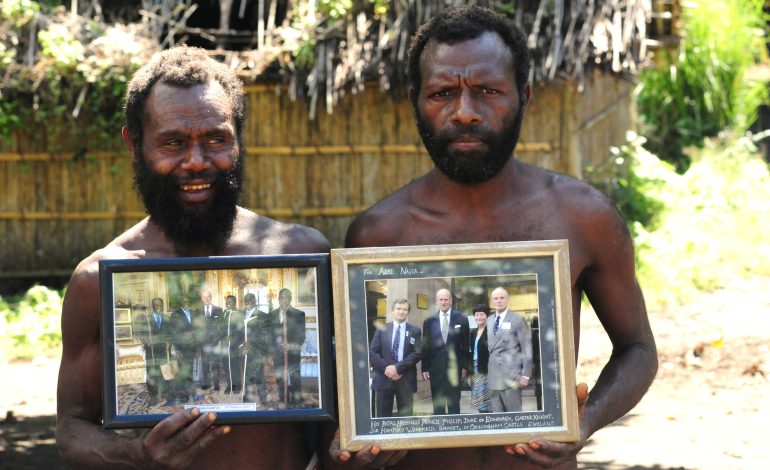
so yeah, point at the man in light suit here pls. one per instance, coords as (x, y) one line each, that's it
(210, 352)
(288, 325)
(445, 354)
(510, 354)
(395, 351)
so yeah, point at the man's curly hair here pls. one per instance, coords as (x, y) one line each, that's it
(183, 67)
(463, 23)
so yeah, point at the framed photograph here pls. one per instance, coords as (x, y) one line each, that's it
(400, 378)
(122, 315)
(220, 334)
(422, 301)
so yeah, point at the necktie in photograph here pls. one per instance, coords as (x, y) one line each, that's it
(497, 324)
(444, 326)
(396, 343)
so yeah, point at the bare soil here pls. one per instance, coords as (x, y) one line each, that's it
(709, 407)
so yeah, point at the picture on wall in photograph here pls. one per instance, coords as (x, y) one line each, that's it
(220, 334)
(459, 345)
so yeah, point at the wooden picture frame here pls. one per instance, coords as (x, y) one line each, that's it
(166, 359)
(538, 269)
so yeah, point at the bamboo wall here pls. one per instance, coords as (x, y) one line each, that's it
(56, 208)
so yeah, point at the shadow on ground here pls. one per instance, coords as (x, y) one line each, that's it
(28, 443)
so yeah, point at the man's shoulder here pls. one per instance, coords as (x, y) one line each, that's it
(571, 193)
(258, 234)
(373, 226)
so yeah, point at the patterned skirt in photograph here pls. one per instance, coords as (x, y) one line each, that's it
(480, 390)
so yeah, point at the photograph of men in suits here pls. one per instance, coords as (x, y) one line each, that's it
(288, 334)
(233, 337)
(445, 354)
(211, 357)
(394, 353)
(510, 354)
(153, 330)
(255, 348)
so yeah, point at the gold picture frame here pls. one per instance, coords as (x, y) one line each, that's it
(471, 272)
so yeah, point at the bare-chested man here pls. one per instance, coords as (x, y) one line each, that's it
(469, 71)
(184, 128)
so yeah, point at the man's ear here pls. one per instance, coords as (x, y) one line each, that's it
(527, 94)
(130, 143)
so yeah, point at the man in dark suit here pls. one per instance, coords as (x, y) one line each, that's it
(395, 351)
(210, 348)
(288, 334)
(510, 355)
(445, 354)
(232, 337)
(153, 330)
(255, 348)
(185, 344)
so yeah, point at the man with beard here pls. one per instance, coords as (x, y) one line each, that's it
(184, 127)
(469, 72)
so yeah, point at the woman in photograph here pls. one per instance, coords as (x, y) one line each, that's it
(480, 354)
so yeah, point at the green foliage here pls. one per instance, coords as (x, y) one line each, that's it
(30, 324)
(70, 80)
(634, 179)
(706, 86)
(714, 224)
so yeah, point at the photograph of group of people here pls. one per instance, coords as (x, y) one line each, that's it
(233, 340)
(442, 346)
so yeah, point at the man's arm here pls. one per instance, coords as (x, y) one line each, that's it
(611, 286)
(375, 352)
(82, 441)
(426, 349)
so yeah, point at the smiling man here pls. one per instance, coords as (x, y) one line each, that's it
(184, 114)
(469, 72)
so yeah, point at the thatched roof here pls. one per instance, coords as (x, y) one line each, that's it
(323, 49)
(370, 41)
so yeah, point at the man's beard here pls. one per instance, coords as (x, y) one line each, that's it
(187, 227)
(472, 167)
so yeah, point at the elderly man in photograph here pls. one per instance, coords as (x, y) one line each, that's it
(510, 355)
(445, 354)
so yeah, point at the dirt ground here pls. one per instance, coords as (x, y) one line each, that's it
(708, 408)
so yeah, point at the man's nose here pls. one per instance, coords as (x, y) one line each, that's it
(466, 111)
(196, 159)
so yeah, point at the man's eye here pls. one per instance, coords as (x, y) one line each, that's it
(488, 91)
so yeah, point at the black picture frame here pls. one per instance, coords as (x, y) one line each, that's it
(297, 380)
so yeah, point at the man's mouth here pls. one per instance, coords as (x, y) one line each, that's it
(195, 187)
(196, 193)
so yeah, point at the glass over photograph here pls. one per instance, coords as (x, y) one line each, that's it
(224, 340)
(454, 345)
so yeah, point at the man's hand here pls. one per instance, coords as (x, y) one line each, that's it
(369, 457)
(178, 439)
(463, 373)
(426, 375)
(523, 381)
(550, 453)
(392, 373)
